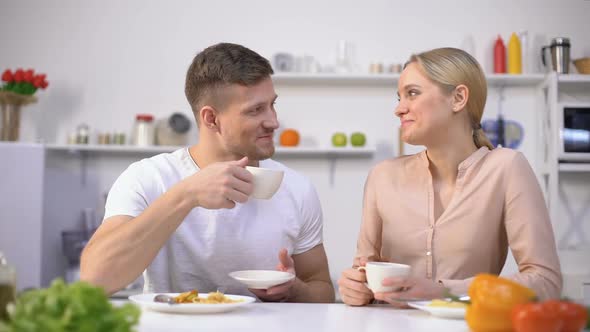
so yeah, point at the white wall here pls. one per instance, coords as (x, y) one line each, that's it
(108, 60)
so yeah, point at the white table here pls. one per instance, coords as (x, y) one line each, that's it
(284, 317)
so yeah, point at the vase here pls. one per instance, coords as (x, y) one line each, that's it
(10, 106)
(10, 122)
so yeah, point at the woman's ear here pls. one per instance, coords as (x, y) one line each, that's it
(208, 117)
(460, 97)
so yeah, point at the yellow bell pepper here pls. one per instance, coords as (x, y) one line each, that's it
(482, 319)
(492, 300)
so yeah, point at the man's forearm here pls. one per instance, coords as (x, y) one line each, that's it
(115, 258)
(313, 291)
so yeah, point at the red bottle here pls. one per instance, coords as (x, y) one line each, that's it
(499, 56)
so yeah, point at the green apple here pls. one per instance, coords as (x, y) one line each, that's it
(339, 139)
(358, 139)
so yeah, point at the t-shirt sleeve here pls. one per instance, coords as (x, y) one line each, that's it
(311, 212)
(128, 194)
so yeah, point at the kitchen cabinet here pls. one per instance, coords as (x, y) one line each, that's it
(21, 210)
(566, 181)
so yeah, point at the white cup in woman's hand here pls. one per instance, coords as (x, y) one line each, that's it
(377, 271)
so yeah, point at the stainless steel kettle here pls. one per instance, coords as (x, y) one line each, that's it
(560, 54)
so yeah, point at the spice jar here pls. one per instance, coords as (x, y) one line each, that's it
(82, 134)
(143, 131)
(7, 286)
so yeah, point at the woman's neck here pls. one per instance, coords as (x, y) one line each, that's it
(444, 160)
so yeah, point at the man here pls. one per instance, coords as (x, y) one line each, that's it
(185, 218)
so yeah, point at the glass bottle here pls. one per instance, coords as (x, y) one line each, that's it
(7, 286)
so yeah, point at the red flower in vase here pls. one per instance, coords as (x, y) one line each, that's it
(23, 82)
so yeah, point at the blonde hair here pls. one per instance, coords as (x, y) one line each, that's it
(449, 67)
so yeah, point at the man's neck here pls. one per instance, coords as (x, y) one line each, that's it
(206, 154)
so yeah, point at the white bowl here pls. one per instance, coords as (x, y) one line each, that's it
(261, 279)
(266, 181)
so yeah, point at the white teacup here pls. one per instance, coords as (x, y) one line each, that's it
(266, 181)
(377, 271)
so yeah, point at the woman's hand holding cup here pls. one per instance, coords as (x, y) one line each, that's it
(352, 286)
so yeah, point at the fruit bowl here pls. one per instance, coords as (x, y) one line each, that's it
(583, 65)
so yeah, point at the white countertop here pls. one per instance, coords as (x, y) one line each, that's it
(283, 317)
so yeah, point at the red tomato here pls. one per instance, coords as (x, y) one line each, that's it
(573, 316)
(534, 317)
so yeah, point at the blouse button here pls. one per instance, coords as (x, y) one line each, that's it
(428, 253)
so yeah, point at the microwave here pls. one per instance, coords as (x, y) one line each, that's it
(573, 121)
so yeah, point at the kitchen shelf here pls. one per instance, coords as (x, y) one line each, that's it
(496, 80)
(112, 148)
(335, 79)
(280, 151)
(574, 167)
(499, 80)
(326, 151)
(573, 78)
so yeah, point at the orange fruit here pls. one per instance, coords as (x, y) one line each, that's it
(289, 137)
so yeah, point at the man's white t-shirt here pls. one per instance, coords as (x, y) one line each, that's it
(209, 244)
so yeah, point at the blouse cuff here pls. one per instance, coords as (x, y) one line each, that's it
(456, 287)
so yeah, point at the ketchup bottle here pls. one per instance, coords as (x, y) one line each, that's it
(499, 56)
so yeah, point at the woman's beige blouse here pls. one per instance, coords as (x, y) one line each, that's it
(497, 204)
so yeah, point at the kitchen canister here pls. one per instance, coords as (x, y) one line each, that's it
(143, 131)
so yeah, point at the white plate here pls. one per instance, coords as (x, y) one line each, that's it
(261, 279)
(443, 312)
(147, 301)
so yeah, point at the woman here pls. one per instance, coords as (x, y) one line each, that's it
(453, 210)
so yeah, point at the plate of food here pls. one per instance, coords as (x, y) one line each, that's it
(261, 279)
(441, 308)
(191, 302)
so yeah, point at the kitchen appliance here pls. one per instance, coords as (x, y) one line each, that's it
(574, 139)
(173, 130)
(283, 62)
(73, 242)
(560, 54)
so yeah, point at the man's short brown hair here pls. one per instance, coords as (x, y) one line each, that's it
(218, 66)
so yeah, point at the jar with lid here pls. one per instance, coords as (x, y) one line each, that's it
(143, 131)
(7, 286)
(173, 130)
